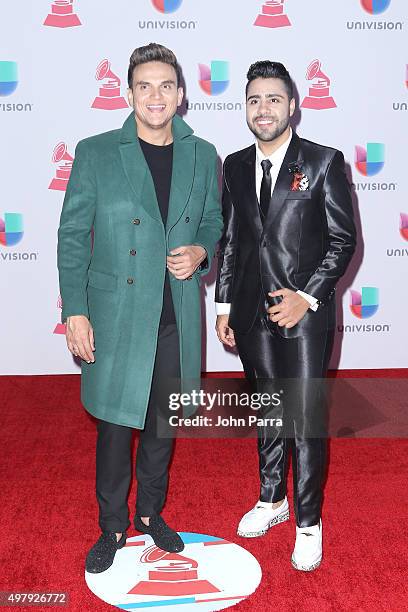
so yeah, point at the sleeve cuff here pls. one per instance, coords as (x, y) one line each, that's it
(222, 308)
(314, 305)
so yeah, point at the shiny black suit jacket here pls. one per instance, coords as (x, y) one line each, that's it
(306, 241)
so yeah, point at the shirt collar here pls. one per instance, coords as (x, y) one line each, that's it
(278, 155)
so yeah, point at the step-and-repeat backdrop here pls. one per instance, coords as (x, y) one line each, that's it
(63, 68)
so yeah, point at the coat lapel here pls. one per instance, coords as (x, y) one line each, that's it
(248, 186)
(136, 169)
(140, 179)
(184, 164)
(283, 182)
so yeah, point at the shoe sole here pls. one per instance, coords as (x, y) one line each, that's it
(308, 568)
(281, 518)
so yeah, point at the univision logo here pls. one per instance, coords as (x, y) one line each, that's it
(8, 78)
(167, 6)
(404, 225)
(370, 161)
(11, 233)
(375, 7)
(403, 230)
(402, 106)
(214, 79)
(8, 85)
(11, 229)
(365, 304)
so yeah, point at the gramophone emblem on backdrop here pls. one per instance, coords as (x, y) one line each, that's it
(62, 15)
(109, 93)
(60, 328)
(319, 97)
(272, 15)
(64, 160)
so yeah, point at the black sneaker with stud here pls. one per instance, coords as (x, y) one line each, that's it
(163, 536)
(102, 554)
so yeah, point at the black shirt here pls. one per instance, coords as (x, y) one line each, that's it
(160, 162)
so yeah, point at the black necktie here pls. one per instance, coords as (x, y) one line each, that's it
(265, 187)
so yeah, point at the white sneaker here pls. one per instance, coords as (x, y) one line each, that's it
(257, 521)
(307, 554)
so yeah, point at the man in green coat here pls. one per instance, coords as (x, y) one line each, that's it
(140, 199)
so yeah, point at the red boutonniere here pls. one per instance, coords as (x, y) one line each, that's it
(300, 181)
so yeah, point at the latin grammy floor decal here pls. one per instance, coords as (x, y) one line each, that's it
(210, 574)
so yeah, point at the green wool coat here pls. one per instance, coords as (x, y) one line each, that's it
(111, 192)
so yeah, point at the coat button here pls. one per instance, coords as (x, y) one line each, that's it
(130, 281)
(187, 219)
(132, 252)
(136, 221)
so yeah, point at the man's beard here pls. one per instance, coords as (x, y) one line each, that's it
(271, 132)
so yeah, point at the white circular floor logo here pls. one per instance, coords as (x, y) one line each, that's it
(209, 574)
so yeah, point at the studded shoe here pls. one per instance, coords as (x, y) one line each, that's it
(163, 536)
(102, 554)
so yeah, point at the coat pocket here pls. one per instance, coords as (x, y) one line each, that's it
(299, 195)
(101, 280)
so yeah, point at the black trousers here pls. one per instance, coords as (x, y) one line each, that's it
(268, 357)
(113, 448)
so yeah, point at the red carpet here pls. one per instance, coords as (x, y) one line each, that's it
(49, 513)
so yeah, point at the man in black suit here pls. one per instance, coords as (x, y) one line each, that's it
(289, 236)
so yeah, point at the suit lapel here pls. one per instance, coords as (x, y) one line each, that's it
(283, 181)
(248, 186)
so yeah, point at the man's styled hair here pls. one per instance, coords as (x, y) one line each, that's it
(153, 52)
(270, 70)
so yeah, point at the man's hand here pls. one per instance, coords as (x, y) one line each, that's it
(290, 310)
(184, 260)
(80, 338)
(224, 332)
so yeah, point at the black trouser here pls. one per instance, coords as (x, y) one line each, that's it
(113, 449)
(267, 356)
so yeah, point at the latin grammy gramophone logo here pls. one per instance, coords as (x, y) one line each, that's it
(64, 160)
(272, 15)
(60, 327)
(109, 93)
(171, 574)
(319, 97)
(62, 15)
